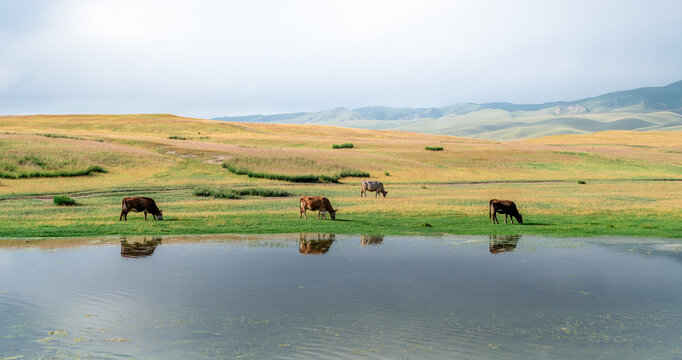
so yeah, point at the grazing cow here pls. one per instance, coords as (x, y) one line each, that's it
(503, 243)
(138, 204)
(308, 245)
(370, 185)
(135, 250)
(506, 207)
(318, 203)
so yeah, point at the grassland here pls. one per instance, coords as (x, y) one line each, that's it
(633, 179)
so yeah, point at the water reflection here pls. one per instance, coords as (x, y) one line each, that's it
(412, 297)
(315, 244)
(136, 249)
(503, 243)
(371, 240)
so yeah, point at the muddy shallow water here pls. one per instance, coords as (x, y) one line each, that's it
(322, 296)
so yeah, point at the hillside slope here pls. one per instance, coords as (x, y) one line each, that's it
(632, 178)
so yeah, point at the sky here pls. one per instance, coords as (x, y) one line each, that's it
(222, 58)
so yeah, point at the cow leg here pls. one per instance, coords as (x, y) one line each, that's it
(512, 218)
(505, 218)
(145, 215)
(495, 221)
(121, 217)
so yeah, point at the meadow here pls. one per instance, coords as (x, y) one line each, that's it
(630, 181)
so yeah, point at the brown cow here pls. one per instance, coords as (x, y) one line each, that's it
(319, 203)
(506, 207)
(138, 204)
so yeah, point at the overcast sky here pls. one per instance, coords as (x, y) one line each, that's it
(215, 58)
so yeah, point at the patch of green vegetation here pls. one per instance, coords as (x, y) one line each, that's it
(176, 137)
(203, 191)
(59, 136)
(352, 173)
(57, 173)
(224, 193)
(295, 178)
(262, 192)
(263, 175)
(387, 173)
(434, 148)
(342, 146)
(63, 200)
(581, 182)
(22, 165)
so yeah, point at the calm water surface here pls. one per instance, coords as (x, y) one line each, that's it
(325, 296)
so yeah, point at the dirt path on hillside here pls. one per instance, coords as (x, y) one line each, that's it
(91, 193)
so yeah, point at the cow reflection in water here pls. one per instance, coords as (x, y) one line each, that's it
(310, 244)
(503, 243)
(371, 240)
(143, 249)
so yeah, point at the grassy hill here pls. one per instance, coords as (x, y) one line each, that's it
(632, 178)
(643, 109)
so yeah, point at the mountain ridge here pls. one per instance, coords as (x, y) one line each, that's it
(641, 109)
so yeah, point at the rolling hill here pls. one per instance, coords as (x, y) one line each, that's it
(643, 109)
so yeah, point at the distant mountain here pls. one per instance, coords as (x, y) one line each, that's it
(643, 109)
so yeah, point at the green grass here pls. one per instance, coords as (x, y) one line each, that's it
(434, 148)
(98, 215)
(348, 223)
(63, 200)
(342, 146)
(176, 137)
(581, 182)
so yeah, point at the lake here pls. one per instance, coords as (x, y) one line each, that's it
(322, 296)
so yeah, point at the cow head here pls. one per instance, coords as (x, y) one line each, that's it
(384, 193)
(158, 216)
(332, 213)
(519, 218)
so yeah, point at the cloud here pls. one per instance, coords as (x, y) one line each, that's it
(213, 58)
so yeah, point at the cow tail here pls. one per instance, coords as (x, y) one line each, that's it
(490, 210)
